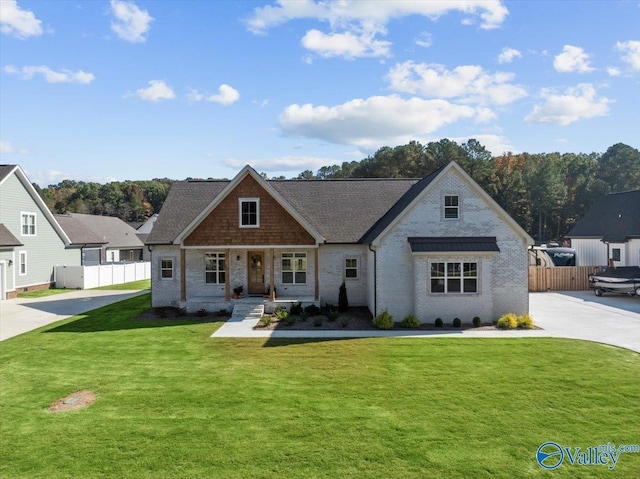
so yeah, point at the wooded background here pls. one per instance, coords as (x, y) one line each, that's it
(546, 193)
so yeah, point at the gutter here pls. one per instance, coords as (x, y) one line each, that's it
(375, 281)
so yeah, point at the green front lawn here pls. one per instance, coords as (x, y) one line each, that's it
(133, 285)
(174, 403)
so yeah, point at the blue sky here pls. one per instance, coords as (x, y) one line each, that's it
(106, 90)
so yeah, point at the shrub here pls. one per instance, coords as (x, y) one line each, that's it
(328, 307)
(438, 323)
(312, 310)
(266, 320)
(290, 320)
(508, 321)
(345, 322)
(456, 323)
(296, 309)
(525, 321)
(343, 300)
(303, 316)
(282, 314)
(477, 322)
(383, 321)
(332, 315)
(223, 312)
(410, 321)
(201, 312)
(317, 321)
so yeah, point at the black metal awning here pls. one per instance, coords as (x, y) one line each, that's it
(453, 244)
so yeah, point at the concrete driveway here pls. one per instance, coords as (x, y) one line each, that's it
(20, 315)
(610, 319)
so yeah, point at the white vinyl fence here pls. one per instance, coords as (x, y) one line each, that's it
(87, 277)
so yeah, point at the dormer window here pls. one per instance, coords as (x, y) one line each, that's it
(249, 212)
(451, 207)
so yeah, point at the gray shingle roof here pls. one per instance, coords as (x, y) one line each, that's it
(342, 211)
(5, 170)
(6, 237)
(108, 230)
(614, 217)
(444, 244)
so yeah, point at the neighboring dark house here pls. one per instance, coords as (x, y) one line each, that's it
(609, 232)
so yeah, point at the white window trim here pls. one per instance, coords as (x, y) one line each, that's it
(357, 268)
(35, 223)
(218, 257)
(20, 255)
(293, 267)
(462, 277)
(173, 268)
(444, 207)
(249, 200)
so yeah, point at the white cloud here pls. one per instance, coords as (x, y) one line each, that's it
(424, 40)
(45, 178)
(349, 45)
(282, 163)
(18, 23)
(613, 71)
(130, 23)
(354, 25)
(496, 144)
(50, 76)
(572, 59)
(508, 54)
(469, 83)
(8, 148)
(577, 103)
(226, 95)
(372, 122)
(156, 91)
(631, 52)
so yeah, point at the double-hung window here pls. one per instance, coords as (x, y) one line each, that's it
(294, 268)
(249, 212)
(451, 207)
(214, 268)
(28, 221)
(454, 277)
(351, 268)
(166, 268)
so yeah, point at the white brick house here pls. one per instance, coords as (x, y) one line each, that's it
(435, 247)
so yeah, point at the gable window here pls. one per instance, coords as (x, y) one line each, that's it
(454, 277)
(214, 268)
(451, 207)
(22, 270)
(249, 212)
(351, 268)
(28, 222)
(294, 268)
(166, 268)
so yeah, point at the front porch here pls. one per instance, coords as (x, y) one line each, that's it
(213, 303)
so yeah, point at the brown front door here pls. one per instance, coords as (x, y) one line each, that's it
(256, 272)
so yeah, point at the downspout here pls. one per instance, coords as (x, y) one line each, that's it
(375, 281)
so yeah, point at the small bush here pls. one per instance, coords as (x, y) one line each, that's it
(296, 309)
(343, 300)
(438, 323)
(332, 315)
(312, 310)
(383, 321)
(525, 321)
(317, 321)
(290, 320)
(223, 312)
(345, 322)
(282, 314)
(328, 307)
(266, 320)
(410, 321)
(456, 323)
(508, 321)
(477, 322)
(201, 312)
(303, 316)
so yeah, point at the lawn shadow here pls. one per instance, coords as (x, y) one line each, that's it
(278, 339)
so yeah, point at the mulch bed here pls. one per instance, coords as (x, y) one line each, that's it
(77, 400)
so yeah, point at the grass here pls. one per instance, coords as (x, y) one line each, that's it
(44, 292)
(133, 285)
(175, 403)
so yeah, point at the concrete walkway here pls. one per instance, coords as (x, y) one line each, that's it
(613, 320)
(20, 315)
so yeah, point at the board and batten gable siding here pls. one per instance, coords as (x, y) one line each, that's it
(45, 250)
(332, 273)
(165, 292)
(222, 226)
(403, 278)
(593, 252)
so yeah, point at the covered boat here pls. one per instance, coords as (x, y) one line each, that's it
(623, 279)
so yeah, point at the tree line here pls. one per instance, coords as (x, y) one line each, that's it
(546, 193)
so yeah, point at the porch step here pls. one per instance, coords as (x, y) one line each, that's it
(247, 311)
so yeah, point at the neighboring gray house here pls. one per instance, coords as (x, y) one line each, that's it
(435, 247)
(32, 242)
(609, 232)
(108, 239)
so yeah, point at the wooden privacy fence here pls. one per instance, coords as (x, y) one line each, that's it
(559, 278)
